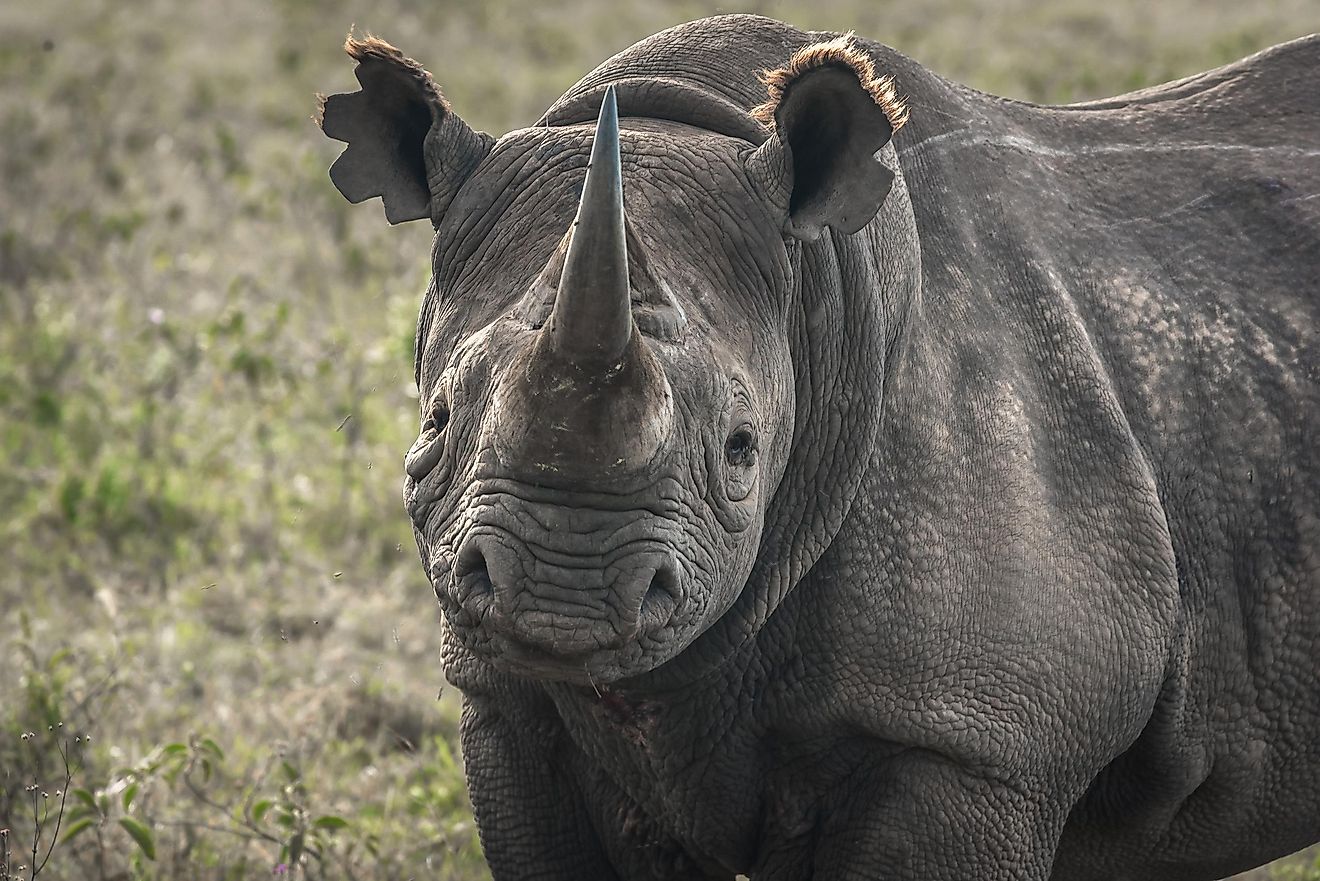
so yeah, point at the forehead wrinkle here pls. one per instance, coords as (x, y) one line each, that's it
(681, 244)
(696, 238)
(676, 173)
(522, 174)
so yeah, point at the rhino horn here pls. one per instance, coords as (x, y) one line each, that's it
(591, 322)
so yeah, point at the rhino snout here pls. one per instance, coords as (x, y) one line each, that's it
(561, 604)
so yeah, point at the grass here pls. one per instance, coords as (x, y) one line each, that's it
(205, 394)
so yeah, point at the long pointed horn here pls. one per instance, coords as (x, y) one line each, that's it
(592, 317)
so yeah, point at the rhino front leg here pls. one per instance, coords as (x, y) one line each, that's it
(529, 810)
(920, 817)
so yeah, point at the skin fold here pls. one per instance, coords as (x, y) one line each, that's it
(898, 482)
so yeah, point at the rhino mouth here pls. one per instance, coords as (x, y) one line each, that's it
(537, 608)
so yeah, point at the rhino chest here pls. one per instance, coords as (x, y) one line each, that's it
(677, 781)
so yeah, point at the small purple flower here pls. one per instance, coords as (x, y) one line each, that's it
(282, 869)
(156, 316)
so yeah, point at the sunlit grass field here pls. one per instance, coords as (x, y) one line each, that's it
(210, 601)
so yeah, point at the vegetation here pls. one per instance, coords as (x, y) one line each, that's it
(218, 655)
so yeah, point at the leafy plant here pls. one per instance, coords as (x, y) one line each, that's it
(282, 819)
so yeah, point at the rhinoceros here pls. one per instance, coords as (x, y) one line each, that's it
(829, 471)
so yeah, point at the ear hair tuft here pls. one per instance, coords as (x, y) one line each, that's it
(842, 52)
(372, 48)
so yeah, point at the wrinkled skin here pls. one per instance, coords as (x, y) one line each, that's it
(1014, 572)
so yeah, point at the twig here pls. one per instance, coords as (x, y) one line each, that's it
(59, 818)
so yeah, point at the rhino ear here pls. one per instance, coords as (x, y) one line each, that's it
(405, 144)
(829, 113)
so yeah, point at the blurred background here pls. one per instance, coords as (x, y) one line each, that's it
(217, 647)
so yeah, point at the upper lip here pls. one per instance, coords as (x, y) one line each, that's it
(488, 588)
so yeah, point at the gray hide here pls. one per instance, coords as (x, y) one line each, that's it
(980, 543)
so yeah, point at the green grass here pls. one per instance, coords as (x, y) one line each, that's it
(205, 394)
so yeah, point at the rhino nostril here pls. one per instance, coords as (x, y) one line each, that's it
(660, 599)
(471, 570)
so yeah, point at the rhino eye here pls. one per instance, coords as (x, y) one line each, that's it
(437, 419)
(740, 448)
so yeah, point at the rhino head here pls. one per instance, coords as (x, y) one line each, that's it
(605, 356)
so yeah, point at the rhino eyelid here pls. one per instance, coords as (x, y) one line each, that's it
(437, 419)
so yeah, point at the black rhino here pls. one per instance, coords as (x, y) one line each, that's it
(838, 498)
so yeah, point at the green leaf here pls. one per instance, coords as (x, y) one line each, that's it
(260, 808)
(129, 794)
(290, 771)
(295, 849)
(213, 748)
(206, 770)
(330, 822)
(75, 828)
(142, 835)
(85, 797)
(78, 812)
(174, 749)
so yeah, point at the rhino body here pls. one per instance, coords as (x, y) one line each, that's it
(1025, 583)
